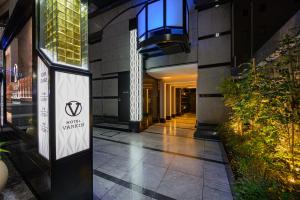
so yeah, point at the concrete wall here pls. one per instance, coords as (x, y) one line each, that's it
(214, 57)
(291, 27)
(105, 93)
(109, 57)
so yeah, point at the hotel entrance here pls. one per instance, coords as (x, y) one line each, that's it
(169, 99)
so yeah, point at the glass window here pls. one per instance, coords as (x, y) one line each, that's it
(155, 15)
(142, 23)
(174, 13)
(64, 31)
(18, 63)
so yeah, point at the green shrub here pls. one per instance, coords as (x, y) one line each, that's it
(262, 136)
(1, 149)
(261, 189)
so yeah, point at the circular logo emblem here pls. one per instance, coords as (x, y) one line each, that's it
(73, 108)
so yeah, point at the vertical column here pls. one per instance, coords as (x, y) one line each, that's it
(155, 103)
(179, 102)
(173, 102)
(136, 85)
(214, 60)
(1, 86)
(197, 101)
(63, 107)
(147, 101)
(169, 102)
(162, 101)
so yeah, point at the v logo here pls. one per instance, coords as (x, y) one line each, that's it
(73, 108)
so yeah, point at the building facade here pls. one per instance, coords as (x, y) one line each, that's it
(207, 63)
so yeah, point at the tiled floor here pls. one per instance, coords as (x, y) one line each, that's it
(163, 162)
(179, 126)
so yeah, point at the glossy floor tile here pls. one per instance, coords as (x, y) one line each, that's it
(183, 126)
(164, 165)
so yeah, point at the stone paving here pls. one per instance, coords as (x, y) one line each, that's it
(158, 164)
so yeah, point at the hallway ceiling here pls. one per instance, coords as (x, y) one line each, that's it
(184, 76)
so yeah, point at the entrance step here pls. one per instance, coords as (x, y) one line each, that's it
(113, 126)
(207, 131)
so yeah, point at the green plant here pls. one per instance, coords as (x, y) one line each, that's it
(249, 189)
(2, 150)
(262, 136)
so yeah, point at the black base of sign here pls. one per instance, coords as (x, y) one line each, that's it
(72, 177)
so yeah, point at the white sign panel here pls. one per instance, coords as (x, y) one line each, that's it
(72, 119)
(43, 108)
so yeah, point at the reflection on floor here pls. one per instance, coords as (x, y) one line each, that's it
(183, 126)
(164, 163)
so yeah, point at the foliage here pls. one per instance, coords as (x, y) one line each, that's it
(261, 189)
(1, 149)
(262, 136)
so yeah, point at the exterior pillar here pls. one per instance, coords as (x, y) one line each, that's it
(162, 102)
(155, 102)
(169, 102)
(178, 110)
(216, 52)
(173, 102)
(136, 85)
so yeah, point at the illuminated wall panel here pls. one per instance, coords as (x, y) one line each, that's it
(142, 22)
(64, 31)
(174, 13)
(135, 79)
(155, 15)
(43, 108)
(72, 110)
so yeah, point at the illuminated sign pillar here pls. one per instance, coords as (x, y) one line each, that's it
(136, 84)
(64, 98)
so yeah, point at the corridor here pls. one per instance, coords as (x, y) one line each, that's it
(163, 162)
